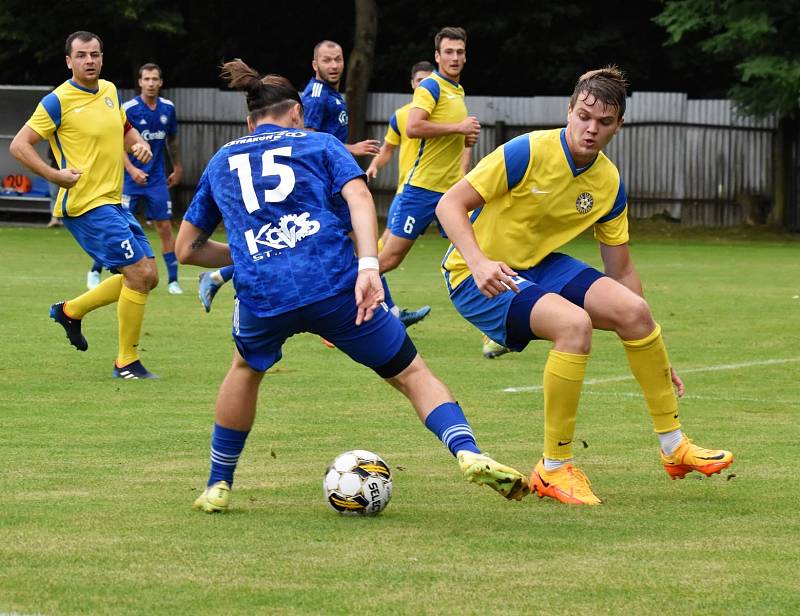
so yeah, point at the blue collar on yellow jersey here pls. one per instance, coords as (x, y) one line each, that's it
(575, 170)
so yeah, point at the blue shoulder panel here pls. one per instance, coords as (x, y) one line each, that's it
(52, 105)
(393, 124)
(619, 204)
(517, 154)
(432, 86)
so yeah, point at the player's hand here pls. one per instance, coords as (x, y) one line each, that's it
(470, 140)
(368, 147)
(371, 172)
(174, 178)
(139, 176)
(67, 178)
(676, 380)
(493, 278)
(141, 152)
(369, 294)
(470, 127)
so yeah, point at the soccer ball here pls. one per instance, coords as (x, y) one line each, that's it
(358, 482)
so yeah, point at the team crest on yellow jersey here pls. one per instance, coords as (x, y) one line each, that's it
(584, 203)
(109, 102)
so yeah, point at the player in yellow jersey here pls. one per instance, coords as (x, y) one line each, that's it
(88, 129)
(438, 118)
(396, 139)
(506, 219)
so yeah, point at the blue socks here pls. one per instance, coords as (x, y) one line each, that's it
(172, 265)
(448, 423)
(226, 446)
(97, 266)
(226, 273)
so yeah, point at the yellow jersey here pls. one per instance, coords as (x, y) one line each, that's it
(85, 129)
(396, 136)
(536, 200)
(438, 162)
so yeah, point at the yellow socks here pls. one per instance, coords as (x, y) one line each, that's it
(650, 365)
(107, 292)
(563, 378)
(130, 314)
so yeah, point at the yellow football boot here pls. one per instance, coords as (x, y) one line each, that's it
(491, 349)
(215, 498)
(689, 457)
(483, 470)
(567, 484)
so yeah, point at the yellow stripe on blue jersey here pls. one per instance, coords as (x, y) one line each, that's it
(438, 163)
(85, 130)
(536, 200)
(396, 135)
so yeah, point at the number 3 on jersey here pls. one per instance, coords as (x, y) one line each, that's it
(241, 164)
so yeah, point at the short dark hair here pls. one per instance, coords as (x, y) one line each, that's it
(81, 35)
(324, 42)
(150, 66)
(424, 65)
(272, 95)
(607, 85)
(450, 32)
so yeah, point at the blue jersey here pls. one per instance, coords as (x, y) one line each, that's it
(276, 191)
(155, 125)
(324, 109)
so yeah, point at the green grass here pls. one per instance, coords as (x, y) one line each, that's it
(98, 476)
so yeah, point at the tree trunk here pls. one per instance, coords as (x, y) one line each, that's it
(359, 68)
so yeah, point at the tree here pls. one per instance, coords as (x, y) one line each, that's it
(359, 67)
(132, 30)
(761, 36)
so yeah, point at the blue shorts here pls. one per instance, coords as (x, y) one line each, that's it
(413, 211)
(556, 273)
(155, 196)
(110, 235)
(392, 211)
(380, 343)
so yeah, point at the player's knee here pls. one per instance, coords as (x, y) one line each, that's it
(575, 333)
(635, 319)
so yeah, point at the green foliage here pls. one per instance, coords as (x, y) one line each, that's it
(130, 28)
(759, 35)
(98, 475)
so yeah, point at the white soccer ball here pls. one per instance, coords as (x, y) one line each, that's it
(358, 482)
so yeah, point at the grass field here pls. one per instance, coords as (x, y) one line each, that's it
(98, 475)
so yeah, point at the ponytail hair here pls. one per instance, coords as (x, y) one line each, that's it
(272, 95)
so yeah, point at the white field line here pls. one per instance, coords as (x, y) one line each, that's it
(629, 377)
(633, 394)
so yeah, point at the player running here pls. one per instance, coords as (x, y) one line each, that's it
(396, 139)
(277, 191)
(88, 129)
(528, 198)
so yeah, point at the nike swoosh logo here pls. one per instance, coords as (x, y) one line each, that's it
(450, 96)
(536, 191)
(718, 457)
(562, 443)
(79, 109)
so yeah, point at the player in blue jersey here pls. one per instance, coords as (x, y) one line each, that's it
(278, 191)
(323, 105)
(325, 111)
(148, 184)
(506, 219)
(88, 129)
